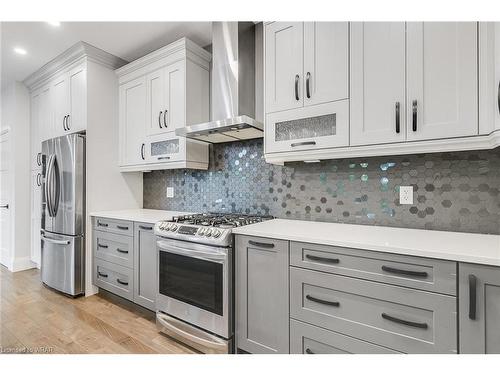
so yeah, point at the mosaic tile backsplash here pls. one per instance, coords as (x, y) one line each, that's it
(453, 191)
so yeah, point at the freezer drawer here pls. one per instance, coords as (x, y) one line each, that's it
(62, 265)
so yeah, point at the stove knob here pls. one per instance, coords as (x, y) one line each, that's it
(208, 232)
(201, 231)
(217, 233)
(173, 228)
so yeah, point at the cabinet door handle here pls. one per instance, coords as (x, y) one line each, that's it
(261, 244)
(6, 206)
(472, 297)
(122, 227)
(498, 97)
(414, 115)
(297, 87)
(39, 179)
(309, 351)
(64, 123)
(165, 118)
(102, 274)
(102, 246)
(308, 90)
(322, 301)
(145, 228)
(67, 123)
(122, 251)
(322, 259)
(398, 271)
(121, 282)
(308, 143)
(102, 224)
(398, 117)
(142, 151)
(163, 157)
(39, 158)
(159, 119)
(404, 322)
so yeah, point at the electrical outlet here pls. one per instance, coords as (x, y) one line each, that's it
(170, 192)
(406, 195)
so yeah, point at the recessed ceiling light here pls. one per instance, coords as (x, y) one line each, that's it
(20, 51)
(54, 23)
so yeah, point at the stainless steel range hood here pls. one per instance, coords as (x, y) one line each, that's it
(233, 86)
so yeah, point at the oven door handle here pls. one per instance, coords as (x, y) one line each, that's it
(213, 256)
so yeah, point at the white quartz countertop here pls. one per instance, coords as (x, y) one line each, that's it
(139, 215)
(463, 247)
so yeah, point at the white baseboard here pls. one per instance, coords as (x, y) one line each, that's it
(21, 264)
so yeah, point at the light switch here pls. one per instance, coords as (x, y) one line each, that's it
(170, 192)
(406, 195)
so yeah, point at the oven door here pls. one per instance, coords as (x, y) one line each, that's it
(194, 284)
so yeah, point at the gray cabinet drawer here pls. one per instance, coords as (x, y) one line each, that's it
(115, 248)
(114, 226)
(413, 272)
(114, 278)
(403, 319)
(308, 339)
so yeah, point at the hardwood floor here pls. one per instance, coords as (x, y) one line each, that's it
(34, 318)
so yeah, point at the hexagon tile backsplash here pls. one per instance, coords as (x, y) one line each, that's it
(453, 191)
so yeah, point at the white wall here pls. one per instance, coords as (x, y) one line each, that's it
(107, 188)
(16, 115)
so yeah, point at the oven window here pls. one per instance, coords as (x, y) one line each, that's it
(191, 280)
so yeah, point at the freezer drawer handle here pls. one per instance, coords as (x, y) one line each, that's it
(102, 274)
(404, 322)
(121, 282)
(122, 251)
(122, 227)
(472, 297)
(56, 242)
(322, 301)
(398, 271)
(322, 259)
(261, 244)
(102, 246)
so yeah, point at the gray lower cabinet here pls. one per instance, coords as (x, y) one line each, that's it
(309, 339)
(114, 278)
(479, 309)
(145, 265)
(262, 323)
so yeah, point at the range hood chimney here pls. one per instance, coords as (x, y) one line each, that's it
(233, 86)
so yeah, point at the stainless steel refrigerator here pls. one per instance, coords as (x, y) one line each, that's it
(63, 214)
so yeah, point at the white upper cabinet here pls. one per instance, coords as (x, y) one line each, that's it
(77, 116)
(60, 103)
(442, 79)
(377, 83)
(284, 66)
(36, 145)
(132, 99)
(159, 93)
(326, 62)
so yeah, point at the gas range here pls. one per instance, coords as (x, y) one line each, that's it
(209, 228)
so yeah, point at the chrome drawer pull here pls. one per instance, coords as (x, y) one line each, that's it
(322, 259)
(102, 274)
(405, 322)
(145, 228)
(103, 246)
(398, 271)
(122, 227)
(322, 301)
(102, 224)
(308, 143)
(122, 251)
(261, 244)
(121, 282)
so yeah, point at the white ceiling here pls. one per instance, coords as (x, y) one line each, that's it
(128, 40)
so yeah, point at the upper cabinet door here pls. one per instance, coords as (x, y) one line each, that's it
(132, 118)
(174, 115)
(442, 80)
(155, 85)
(284, 66)
(377, 112)
(46, 115)
(326, 62)
(36, 146)
(60, 101)
(77, 119)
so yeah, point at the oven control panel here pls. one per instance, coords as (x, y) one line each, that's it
(203, 234)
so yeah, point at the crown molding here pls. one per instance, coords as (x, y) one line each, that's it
(73, 54)
(183, 44)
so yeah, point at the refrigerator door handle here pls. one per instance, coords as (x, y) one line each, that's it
(48, 185)
(56, 242)
(57, 188)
